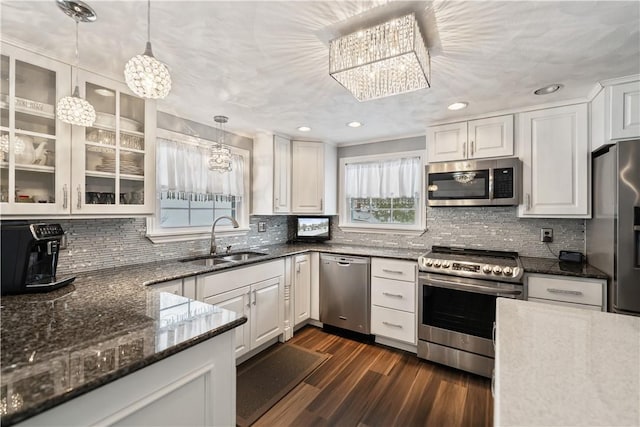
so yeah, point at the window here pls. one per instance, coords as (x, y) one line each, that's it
(382, 193)
(190, 196)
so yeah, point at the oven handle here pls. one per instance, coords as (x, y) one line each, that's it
(488, 290)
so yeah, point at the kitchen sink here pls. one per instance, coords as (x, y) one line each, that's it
(240, 256)
(209, 260)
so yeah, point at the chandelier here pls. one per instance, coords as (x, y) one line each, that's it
(384, 60)
(74, 109)
(220, 154)
(145, 75)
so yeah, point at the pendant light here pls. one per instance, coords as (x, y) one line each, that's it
(74, 109)
(219, 153)
(145, 75)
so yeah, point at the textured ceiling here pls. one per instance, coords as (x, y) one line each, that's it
(264, 64)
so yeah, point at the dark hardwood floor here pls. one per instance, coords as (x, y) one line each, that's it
(370, 385)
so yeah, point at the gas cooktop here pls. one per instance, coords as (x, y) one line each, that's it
(478, 263)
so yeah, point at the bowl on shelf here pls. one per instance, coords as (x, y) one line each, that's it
(109, 121)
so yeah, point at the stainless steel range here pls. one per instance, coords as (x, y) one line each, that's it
(458, 288)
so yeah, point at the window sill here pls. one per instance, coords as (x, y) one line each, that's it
(198, 234)
(382, 230)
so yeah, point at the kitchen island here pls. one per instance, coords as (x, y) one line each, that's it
(560, 366)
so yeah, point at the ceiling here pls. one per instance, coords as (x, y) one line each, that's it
(265, 64)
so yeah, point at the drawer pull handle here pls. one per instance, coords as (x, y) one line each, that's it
(392, 295)
(493, 335)
(564, 291)
(392, 271)
(395, 325)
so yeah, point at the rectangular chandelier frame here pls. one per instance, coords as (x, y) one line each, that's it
(384, 60)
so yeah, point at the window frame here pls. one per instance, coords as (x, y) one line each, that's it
(157, 234)
(343, 207)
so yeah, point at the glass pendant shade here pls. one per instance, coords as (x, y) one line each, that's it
(147, 77)
(384, 60)
(220, 154)
(75, 110)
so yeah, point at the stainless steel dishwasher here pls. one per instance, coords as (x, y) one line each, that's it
(345, 292)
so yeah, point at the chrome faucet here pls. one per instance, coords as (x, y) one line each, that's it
(214, 248)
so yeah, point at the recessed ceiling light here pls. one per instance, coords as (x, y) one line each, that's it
(354, 124)
(548, 89)
(104, 92)
(458, 106)
(304, 128)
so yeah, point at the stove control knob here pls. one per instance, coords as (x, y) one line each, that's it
(446, 264)
(437, 263)
(486, 268)
(429, 262)
(497, 269)
(507, 271)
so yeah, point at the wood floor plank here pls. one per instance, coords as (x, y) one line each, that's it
(367, 385)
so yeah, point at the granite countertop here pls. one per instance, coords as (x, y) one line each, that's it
(560, 268)
(565, 366)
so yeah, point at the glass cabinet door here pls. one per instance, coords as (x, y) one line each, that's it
(34, 145)
(116, 152)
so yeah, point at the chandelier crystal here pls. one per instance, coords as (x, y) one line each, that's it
(220, 154)
(18, 146)
(384, 60)
(145, 75)
(73, 109)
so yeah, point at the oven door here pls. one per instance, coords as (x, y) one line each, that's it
(460, 312)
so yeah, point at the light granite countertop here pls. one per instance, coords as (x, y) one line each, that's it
(560, 366)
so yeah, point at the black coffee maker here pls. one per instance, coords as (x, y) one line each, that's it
(30, 257)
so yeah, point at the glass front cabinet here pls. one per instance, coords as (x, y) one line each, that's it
(48, 167)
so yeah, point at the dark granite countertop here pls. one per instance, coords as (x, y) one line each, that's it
(560, 268)
(107, 324)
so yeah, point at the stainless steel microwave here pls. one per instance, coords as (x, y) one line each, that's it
(493, 182)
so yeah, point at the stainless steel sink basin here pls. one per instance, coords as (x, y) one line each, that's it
(241, 256)
(221, 258)
(206, 261)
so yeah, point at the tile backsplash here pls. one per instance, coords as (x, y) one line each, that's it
(496, 228)
(103, 243)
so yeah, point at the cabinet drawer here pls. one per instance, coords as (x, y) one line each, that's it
(393, 294)
(398, 325)
(567, 304)
(578, 291)
(393, 269)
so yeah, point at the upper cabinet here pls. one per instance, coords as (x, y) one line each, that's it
(34, 146)
(615, 112)
(475, 139)
(554, 148)
(114, 160)
(291, 177)
(48, 167)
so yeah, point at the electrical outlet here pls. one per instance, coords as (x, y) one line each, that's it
(262, 227)
(546, 235)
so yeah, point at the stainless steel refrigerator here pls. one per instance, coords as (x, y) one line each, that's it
(613, 234)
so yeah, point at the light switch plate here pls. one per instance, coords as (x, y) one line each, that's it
(262, 227)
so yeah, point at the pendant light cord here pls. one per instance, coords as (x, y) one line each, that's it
(149, 21)
(77, 54)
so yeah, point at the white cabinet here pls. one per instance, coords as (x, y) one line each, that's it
(257, 292)
(302, 288)
(554, 149)
(476, 139)
(293, 176)
(393, 300)
(52, 168)
(172, 286)
(569, 291)
(615, 112)
(238, 301)
(35, 147)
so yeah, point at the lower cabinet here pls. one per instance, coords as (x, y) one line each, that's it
(257, 292)
(172, 287)
(393, 300)
(567, 291)
(302, 288)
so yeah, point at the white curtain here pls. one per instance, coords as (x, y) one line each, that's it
(182, 170)
(385, 178)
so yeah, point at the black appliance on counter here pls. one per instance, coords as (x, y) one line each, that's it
(458, 288)
(30, 257)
